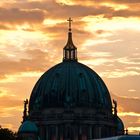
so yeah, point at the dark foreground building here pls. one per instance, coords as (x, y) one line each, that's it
(70, 102)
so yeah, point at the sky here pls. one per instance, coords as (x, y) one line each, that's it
(34, 32)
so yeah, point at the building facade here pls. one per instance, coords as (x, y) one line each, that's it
(71, 102)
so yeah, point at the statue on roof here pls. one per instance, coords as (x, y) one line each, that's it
(115, 107)
(25, 114)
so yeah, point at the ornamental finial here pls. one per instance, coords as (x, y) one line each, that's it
(69, 20)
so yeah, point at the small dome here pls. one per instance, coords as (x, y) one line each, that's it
(28, 127)
(120, 125)
(71, 84)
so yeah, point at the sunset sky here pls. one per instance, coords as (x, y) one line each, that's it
(34, 32)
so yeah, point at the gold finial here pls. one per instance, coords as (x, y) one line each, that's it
(69, 20)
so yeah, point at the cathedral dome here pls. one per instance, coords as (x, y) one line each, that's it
(70, 101)
(70, 84)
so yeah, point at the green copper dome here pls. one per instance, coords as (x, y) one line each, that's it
(120, 125)
(28, 127)
(70, 84)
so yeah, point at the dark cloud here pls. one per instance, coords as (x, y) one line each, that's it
(64, 11)
(59, 31)
(18, 16)
(36, 62)
(57, 10)
(35, 11)
(102, 32)
(123, 13)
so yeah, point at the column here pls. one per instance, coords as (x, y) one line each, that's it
(42, 136)
(61, 132)
(46, 133)
(80, 132)
(99, 132)
(76, 132)
(90, 132)
(56, 132)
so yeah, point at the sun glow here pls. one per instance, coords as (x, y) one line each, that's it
(66, 2)
(4, 93)
(16, 34)
(96, 62)
(7, 125)
(98, 41)
(133, 129)
(17, 77)
(52, 22)
(129, 114)
(117, 23)
(13, 42)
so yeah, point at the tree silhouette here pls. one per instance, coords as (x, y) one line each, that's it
(7, 134)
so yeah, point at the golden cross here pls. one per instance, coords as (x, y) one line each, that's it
(69, 20)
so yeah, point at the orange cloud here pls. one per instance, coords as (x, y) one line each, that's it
(12, 67)
(128, 104)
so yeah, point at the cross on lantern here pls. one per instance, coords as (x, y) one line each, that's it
(69, 20)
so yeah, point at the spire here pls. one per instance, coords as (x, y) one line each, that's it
(70, 51)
